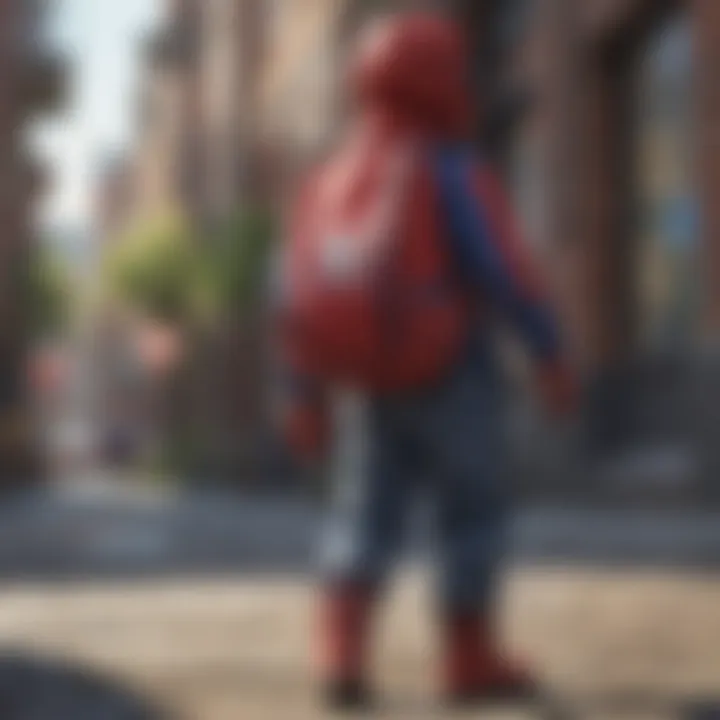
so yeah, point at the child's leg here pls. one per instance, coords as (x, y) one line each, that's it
(372, 489)
(472, 501)
(472, 505)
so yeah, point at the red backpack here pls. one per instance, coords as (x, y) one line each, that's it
(368, 294)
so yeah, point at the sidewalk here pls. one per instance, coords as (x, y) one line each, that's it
(605, 602)
(610, 645)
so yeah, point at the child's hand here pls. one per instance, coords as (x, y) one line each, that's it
(300, 415)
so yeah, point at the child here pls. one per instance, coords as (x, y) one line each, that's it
(396, 369)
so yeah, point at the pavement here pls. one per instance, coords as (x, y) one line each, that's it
(608, 645)
(123, 603)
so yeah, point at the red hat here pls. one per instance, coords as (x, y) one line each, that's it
(415, 66)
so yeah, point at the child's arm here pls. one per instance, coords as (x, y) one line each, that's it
(492, 256)
(299, 402)
(301, 415)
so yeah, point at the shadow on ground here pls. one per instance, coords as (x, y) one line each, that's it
(33, 688)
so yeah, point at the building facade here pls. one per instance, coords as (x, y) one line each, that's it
(614, 161)
(197, 109)
(603, 116)
(619, 150)
(30, 83)
(166, 156)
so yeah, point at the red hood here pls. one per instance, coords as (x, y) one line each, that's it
(414, 69)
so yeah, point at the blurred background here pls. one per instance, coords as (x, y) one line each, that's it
(149, 148)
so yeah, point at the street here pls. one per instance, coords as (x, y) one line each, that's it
(104, 527)
(201, 606)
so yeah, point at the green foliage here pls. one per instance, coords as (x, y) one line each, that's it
(154, 270)
(48, 293)
(165, 271)
(236, 263)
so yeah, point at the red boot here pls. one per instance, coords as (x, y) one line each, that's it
(345, 612)
(475, 669)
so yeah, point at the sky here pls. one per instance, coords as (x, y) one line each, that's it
(100, 41)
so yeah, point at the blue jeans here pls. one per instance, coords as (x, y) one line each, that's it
(446, 442)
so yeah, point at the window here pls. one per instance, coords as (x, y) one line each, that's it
(666, 212)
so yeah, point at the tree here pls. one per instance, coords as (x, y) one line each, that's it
(229, 359)
(236, 263)
(164, 272)
(154, 269)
